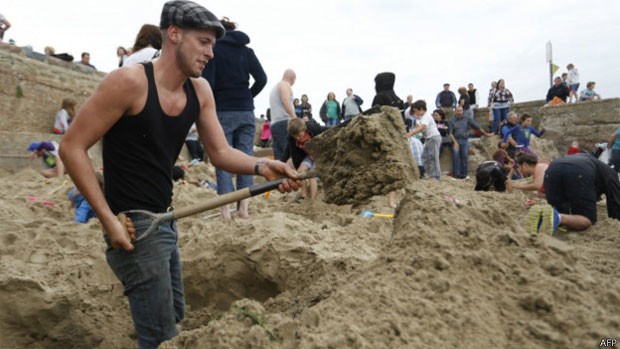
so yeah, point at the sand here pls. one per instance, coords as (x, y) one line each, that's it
(455, 268)
(368, 157)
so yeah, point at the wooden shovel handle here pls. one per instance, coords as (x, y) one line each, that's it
(235, 196)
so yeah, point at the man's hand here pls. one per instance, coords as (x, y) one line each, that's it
(455, 147)
(121, 232)
(271, 169)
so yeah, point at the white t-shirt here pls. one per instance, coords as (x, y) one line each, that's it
(431, 129)
(573, 76)
(62, 121)
(144, 55)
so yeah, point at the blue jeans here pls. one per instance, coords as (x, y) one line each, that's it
(499, 116)
(279, 138)
(459, 159)
(239, 128)
(332, 122)
(152, 280)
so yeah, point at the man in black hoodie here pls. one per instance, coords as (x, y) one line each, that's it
(384, 86)
(229, 76)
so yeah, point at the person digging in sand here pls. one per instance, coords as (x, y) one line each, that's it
(143, 114)
(573, 184)
(300, 132)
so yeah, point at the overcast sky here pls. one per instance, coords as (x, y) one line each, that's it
(333, 45)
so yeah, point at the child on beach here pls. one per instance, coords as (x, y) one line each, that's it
(48, 152)
(64, 115)
(265, 135)
(574, 148)
(524, 133)
(432, 137)
(300, 132)
(83, 211)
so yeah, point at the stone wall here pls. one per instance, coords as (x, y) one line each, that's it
(32, 90)
(482, 115)
(33, 87)
(587, 122)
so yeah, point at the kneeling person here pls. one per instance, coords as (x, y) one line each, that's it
(573, 185)
(491, 173)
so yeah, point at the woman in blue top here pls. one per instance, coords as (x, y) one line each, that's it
(524, 133)
(330, 111)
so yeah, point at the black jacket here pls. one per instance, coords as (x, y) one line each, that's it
(296, 153)
(384, 86)
(560, 91)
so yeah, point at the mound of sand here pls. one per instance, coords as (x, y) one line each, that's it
(368, 157)
(454, 268)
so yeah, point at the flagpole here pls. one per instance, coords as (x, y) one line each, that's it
(550, 74)
(550, 60)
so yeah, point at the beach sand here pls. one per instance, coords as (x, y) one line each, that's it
(454, 268)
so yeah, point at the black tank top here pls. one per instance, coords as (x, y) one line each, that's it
(472, 96)
(140, 150)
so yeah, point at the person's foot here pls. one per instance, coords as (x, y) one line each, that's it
(550, 219)
(533, 219)
(225, 213)
(243, 209)
(542, 219)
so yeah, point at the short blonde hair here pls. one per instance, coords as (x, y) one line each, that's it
(295, 126)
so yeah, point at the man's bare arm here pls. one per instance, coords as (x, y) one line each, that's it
(119, 93)
(284, 89)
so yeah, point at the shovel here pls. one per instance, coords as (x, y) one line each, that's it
(218, 201)
(357, 159)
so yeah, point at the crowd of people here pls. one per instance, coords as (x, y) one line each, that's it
(199, 94)
(565, 89)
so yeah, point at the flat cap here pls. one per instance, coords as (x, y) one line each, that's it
(188, 14)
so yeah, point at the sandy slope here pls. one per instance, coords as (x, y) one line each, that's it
(317, 275)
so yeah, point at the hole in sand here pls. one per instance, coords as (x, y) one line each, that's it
(218, 281)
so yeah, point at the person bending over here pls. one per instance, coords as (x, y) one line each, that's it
(573, 184)
(528, 166)
(300, 132)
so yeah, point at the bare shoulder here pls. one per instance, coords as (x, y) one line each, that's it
(126, 79)
(203, 91)
(125, 88)
(284, 87)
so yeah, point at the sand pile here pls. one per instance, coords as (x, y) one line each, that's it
(368, 157)
(454, 268)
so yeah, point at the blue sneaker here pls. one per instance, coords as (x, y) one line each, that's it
(550, 220)
(534, 219)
